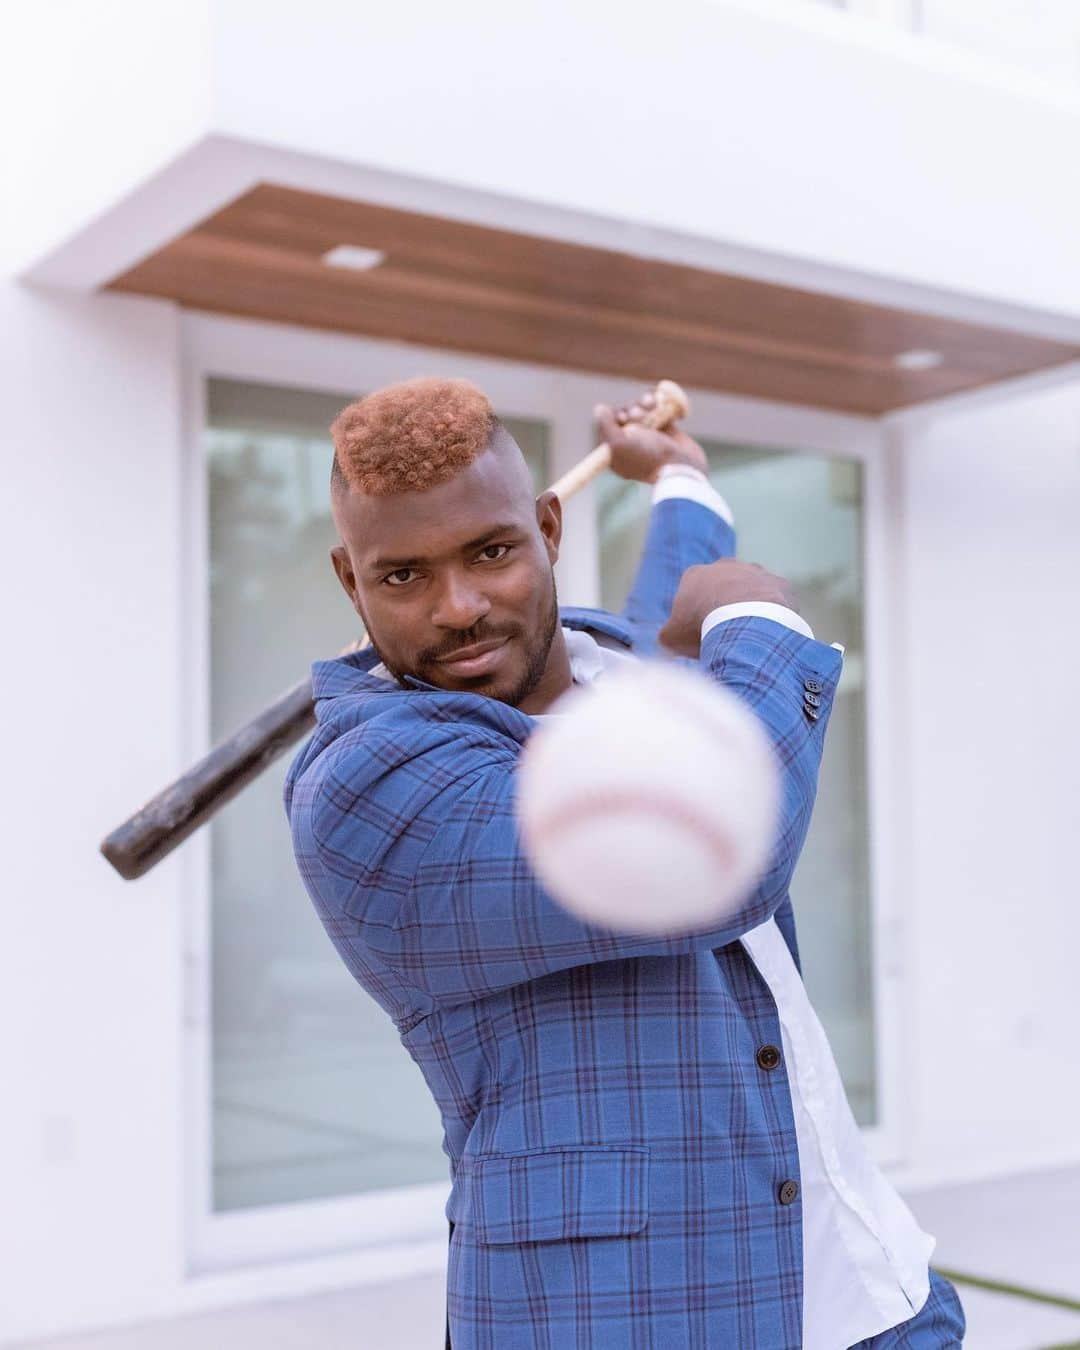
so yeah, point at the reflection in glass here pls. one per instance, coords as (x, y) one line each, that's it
(313, 1094)
(800, 515)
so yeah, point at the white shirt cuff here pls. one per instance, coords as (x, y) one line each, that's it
(685, 482)
(758, 609)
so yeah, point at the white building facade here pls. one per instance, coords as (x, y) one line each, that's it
(202, 1109)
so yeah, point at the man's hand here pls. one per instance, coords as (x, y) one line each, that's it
(637, 451)
(709, 585)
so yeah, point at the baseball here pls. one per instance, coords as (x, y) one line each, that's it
(648, 802)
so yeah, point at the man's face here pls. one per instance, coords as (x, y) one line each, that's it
(455, 584)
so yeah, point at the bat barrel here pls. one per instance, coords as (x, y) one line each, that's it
(167, 820)
(178, 811)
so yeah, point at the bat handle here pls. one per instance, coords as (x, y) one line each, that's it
(583, 472)
(671, 404)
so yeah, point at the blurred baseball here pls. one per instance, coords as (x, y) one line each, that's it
(648, 802)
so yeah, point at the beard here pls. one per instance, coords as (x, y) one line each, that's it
(537, 653)
(537, 650)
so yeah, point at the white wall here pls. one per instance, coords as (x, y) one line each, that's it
(89, 966)
(93, 1225)
(1042, 36)
(1038, 36)
(804, 132)
(779, 140)
(93, 99)
(989, 525)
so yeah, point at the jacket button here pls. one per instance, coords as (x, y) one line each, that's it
(768, 1057)
(812, 686)
(812, 713)
(813, 700)
(789, 1192)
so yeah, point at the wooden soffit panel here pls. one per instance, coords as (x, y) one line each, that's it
(468, 287)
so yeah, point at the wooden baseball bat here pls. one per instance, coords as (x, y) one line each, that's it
(166, 820)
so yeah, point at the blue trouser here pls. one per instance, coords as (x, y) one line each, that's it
(937, 1325)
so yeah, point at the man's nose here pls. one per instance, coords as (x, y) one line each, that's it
(459, 604)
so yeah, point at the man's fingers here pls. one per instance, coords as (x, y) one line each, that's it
(635, 434)
(614, 425)
(606, 421)
(627, 416)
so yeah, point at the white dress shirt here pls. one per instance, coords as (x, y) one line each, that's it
(865, 1259)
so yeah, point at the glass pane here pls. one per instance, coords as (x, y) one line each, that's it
(313, 1094)
(800, 515)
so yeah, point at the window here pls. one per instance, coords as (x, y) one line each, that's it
(313, 1095)
(801, 516)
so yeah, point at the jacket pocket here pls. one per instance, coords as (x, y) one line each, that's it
(541, 1195)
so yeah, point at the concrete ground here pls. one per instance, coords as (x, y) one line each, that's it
(1022, 1231)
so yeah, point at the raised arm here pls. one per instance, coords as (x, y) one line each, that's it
(740, 621)
(689, 523)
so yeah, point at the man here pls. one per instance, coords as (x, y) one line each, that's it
(648, 1139)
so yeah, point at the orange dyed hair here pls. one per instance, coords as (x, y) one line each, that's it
(410, 436)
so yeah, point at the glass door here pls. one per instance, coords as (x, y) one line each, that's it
(312, 1095)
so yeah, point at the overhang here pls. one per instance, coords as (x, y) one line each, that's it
(449, 283)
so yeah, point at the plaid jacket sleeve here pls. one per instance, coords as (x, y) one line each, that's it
(412, 820)
(681, 534)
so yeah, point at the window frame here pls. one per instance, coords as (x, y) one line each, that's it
(401, 1231)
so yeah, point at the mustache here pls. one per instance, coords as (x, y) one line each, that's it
(459, 641)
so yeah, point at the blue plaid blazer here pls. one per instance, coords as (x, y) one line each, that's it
(615, 1150)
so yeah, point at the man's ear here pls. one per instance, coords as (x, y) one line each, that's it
(343, 568)
(549, 519)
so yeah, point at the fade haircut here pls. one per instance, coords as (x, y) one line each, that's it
(410, 436)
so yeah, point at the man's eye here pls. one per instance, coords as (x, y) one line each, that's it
(401, 577)
(494, 552)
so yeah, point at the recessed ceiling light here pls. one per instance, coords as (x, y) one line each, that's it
(919, 358)
(351, 255)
